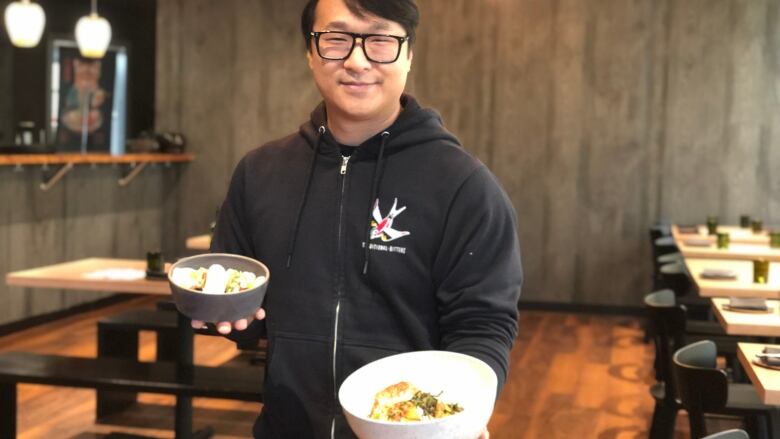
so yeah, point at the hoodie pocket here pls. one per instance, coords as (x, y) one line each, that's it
(353, 356)
(297, 394)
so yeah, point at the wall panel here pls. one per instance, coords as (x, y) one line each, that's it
(86, 214)
(598, 117)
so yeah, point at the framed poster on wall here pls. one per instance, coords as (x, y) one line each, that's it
(87, 99)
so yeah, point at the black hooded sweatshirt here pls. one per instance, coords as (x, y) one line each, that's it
(442, 270)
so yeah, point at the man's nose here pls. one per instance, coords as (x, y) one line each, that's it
(357, 59)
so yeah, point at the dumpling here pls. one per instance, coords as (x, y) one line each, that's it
(216, 280)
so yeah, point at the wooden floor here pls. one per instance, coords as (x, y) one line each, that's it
(572, 376)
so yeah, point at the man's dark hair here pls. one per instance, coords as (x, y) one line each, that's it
(403, 12)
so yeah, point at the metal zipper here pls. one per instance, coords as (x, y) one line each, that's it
(343, 172)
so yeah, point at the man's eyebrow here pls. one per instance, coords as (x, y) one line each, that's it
(375, 26)
(337, 25)
(379, 25)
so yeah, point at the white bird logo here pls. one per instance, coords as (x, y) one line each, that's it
(383, 227)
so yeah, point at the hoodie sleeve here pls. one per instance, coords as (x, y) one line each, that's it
(478, 273)
(232, 235)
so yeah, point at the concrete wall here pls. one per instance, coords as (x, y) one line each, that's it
(597, 116)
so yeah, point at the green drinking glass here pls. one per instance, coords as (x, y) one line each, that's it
(723, 240)
(774, 239)
(712, 225)
(761, 271)
(155, 262)
(757, 226)
(744, 221)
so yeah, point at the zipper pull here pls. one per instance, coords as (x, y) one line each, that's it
(344, 162)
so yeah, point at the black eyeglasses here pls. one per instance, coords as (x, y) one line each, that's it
(378, 48)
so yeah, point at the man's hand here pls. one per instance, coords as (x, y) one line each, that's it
(225, 328)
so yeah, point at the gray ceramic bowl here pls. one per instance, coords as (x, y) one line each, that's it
(219, 307)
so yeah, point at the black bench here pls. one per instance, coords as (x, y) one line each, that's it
(238, 383)
(118, 333)
(117, 337)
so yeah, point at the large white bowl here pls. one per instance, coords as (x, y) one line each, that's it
(461, 378)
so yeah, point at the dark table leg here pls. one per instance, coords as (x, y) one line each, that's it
(118, 344)
(181, 350)
(183, 426)
(8, 410)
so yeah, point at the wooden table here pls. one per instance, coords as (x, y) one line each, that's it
(762, 324)
(736, 235)
(766, 381)
(82, 275)
(734, 252)
(742, 286)
(200, 242)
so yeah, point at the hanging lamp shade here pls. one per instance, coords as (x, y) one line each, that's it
(93, 34)
(25, 22)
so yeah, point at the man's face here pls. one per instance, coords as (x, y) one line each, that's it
(356, 87)
(87, 74)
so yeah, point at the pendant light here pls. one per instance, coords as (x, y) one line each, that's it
(93, 34)
(24, 22)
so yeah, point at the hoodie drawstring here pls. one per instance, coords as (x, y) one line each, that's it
(294, 233)
(374, 200)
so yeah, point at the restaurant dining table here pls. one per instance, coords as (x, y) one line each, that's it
(741, 285)
(92, 274)
(766, 381)
(200, 242)
(737, 251)
(748, 322)
(736, 234)
(121, 276)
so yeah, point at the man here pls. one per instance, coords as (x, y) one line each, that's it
(381, 233)
(84, 87)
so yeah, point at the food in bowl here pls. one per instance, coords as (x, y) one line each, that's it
(216, 279)
(404, 402)
(461, 378)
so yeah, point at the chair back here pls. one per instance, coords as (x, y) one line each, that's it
(729, 434)
(659, 230)
(675, 277)
(668, 319)
(702, 387)
(670, 258)
(659, 245)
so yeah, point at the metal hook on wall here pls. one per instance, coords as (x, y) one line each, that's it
(136, 169)
(48, 184)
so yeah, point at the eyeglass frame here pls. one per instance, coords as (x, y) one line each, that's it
(355, 36)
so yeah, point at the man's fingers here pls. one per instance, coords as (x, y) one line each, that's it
(224, 328)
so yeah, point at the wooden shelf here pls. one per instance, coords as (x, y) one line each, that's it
(67, 161)
(94, 158)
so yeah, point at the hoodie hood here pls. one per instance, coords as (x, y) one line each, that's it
(414, 126)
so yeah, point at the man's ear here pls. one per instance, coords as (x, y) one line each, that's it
(411, 58)
(309, 58)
